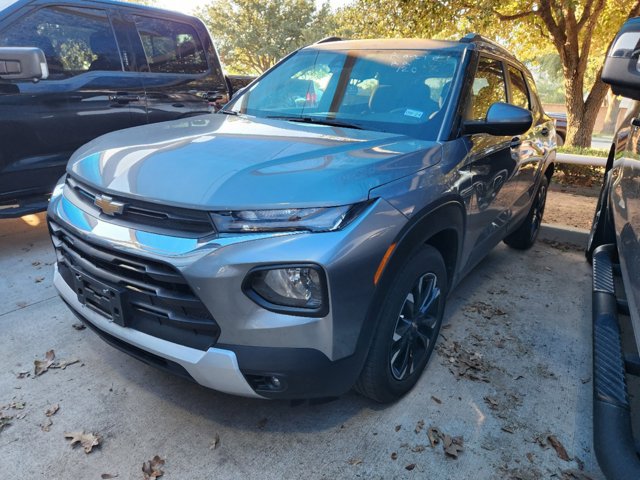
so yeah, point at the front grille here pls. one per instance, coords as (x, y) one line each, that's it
(157, 218)
(146, 295)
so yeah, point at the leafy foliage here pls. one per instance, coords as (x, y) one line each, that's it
(252, 35)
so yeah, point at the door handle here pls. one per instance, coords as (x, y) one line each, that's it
(545, 131)
(515, 142)
(124, 98)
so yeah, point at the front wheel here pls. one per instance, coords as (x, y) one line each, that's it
(408, 327)
(526, 234)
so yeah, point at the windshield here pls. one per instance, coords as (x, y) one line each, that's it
(398, 91)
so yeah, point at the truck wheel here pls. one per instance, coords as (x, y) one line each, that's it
(408, 327)
(602, 231)
(525, 235)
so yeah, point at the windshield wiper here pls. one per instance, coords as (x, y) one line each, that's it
(227, 112)
(318, 121)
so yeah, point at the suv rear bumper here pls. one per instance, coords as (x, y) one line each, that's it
(613, 437)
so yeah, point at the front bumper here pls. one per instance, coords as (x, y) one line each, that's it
(313, 356)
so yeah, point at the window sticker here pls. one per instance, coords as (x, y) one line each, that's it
(413, 113)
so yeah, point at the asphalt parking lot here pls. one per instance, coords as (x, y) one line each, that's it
(513, 369)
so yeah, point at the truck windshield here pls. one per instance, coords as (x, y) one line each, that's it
(398, 91)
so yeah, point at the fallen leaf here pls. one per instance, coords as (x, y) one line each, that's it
(39, 279)
(558, 447)
(17, 405)
(436, 399)
(576, 475)
(52, 410)
(418, 449)
(492, 402)
(410, 467)
(35, 264)
(22, 375)
(41, 366)
(452, 446)
(215, 442)
(434, 436)
(87, 440)
(80, 326)
(398, 427)
(5, 420)
(419, 426)
(355, 461)
(64, 364)
(106, 476)
(46, 425)
(507, 429)
(152, 468)
(394, 456)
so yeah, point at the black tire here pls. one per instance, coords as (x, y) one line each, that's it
(602, 231)
(526, 234)
(402, 346)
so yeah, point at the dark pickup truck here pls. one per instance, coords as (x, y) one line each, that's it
(614, 249)
(73, 70)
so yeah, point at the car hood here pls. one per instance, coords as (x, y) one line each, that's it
(221, 162)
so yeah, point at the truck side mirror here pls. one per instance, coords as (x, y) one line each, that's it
(622, 67)
(23, 63)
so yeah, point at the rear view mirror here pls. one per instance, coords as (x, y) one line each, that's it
(502, 119)
(23, 63)
(621, 68)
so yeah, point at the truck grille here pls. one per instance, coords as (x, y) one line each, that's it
(146, 295)
(146, 215)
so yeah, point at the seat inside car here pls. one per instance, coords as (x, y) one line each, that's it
(415, 95)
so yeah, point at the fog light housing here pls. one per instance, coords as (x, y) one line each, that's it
(291, 289)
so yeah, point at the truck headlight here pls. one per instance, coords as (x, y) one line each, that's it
(320, 219)
(292, 289)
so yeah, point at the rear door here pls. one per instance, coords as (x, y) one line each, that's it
(529, 149)
(490, 166)
(179, 77)
(42, 123)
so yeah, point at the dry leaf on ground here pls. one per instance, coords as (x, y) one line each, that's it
(397, 428)
(559, 448)
(434, 435)
(492, 402)
(576, 475)
(46, 425)
(5, 420)
(106, 476)
(52, 410)
(410, 467)
(463, 363)
(452, 446)
(215, 443)
(355, 461)
(80, 326)
(87, 440)
(419, 426)
(41, 366)
(436, 399)
(418, 449)
(394, 455)
(152, 468)
(484, 309)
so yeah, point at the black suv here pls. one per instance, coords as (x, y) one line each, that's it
(109, 65)
(614, 249)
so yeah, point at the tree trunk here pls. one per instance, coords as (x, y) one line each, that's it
(613, 109)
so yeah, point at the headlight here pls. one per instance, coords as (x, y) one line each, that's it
(293, 289)
(321, 219)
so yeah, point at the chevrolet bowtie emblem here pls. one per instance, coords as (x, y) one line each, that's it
(108, 205)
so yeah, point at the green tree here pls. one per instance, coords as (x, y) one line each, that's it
(252, 35)
(578, 31)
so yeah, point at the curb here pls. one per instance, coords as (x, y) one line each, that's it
(564, 234)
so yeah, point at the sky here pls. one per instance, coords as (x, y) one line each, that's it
(188, 6)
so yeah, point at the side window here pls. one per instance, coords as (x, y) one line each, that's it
(488, 87)
(519, 94)
(74, 40)
(171, 47)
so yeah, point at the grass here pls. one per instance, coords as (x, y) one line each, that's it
(592, 152)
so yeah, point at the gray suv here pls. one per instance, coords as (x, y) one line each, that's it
(304, 239)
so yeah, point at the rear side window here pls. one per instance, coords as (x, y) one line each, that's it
(519, 93)
(489, 87)
(171, 47)
(74, 40)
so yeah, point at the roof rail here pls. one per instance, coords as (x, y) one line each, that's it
(328, 39)
(475, 37)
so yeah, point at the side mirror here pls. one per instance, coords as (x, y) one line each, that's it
(622, 67)
(23, 63)
(502, 119)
